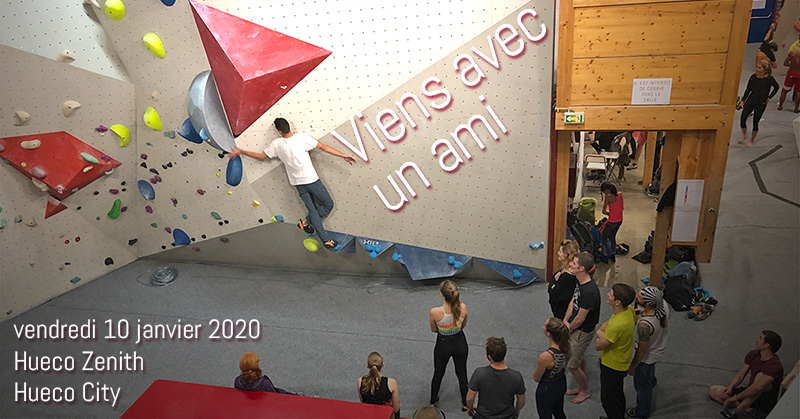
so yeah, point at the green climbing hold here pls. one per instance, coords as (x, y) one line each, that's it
(149, 144)
(169, 134)
(184, 216)
(154, 225)
(215, 215)
(2, 223)
(1, 209)
(75, 280)
(115, 209)
(90, 158)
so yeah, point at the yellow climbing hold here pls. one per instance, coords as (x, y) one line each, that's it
(115, 9)
(256, 203)
(153, 43)
(151, 119)
(230, 192)
(123, 133)
(311, 245)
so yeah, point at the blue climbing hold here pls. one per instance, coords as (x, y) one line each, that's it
(188, 132)
(203, 134)
(168, 2)
(180, 237)
(233, 175)
(517, 274)
(451, 260)
(377, 248)
(369, 247)
(457, 265)
(146, 189)
(373, 254)
(396, 256)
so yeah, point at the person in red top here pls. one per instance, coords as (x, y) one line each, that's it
(766, 374)
(612, 207)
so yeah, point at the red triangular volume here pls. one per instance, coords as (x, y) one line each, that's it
(54, 206)
(253, 66)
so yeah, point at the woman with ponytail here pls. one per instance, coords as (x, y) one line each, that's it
(376, 389)
(448, 322)
(550, 371)
(562, 285)
(252, 379)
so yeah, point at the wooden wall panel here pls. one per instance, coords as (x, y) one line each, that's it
(697, 79)
(669, 29)
(593, 3)
(565, 45)
(649, 118)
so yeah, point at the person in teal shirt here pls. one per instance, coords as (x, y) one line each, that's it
(615, 343)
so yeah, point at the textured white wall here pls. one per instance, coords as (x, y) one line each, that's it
(35, 262)
(47, 27)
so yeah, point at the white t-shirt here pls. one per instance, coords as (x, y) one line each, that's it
(293, 152)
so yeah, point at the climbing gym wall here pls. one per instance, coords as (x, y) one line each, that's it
(378, 54)
(63, 176)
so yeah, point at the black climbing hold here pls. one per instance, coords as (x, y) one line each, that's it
(169, 164)
(189, 151)
(184, 154)
(192, 238)
(131, 242)
(95, 193)
(260, 220)
(109, 261)
(203, 236)
(154, 171)
(221, 155)
(220, 223)
(164, 166)
(163, 247)
(123, 183)
(144, 165)
(226, 221)
(78, 209)
(224, 239)
(123, 189)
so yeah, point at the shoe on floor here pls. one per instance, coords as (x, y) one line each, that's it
(631, 412)
(633, 166)
(730, 413)
(332, 245)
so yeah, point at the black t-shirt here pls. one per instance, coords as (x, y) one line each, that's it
(759, 89)
(587, 296)
(561, 292)
(767, 50)
(382, 394)
(496, 392)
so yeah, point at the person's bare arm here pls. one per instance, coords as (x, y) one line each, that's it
(761, 384)
(395, 395)
(601, 342)
(737, 379)
(545, 361)
(432, 321)
(334, 152)
(578, 320)
(567, 315)
(471, 402)
(520, 403)
(464, 322)
(252, 154)
(358, 390)
(644, 330)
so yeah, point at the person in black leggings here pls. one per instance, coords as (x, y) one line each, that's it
(760, 89)
(448, 322)
(550, 371)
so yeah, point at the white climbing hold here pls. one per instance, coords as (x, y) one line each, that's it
(38, 172)
(65, 56)
(110, 172)
(154, 95)
(29, 221)
(68, 108)
(40, 185)
(21, 118)
(87, 168)
(30, 144)
(92, 2)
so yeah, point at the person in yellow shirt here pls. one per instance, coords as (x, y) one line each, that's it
(615, 343)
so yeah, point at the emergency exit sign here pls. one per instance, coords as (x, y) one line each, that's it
(573, 117)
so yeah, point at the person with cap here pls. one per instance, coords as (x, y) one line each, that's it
(650, 343)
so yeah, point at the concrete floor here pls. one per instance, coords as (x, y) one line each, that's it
(316, 330)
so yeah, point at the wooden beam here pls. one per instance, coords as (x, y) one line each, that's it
(736, 46)
(669, 169)
(594, 3)
(559, 197)
(694, 162)
(593, 84)
(565, 44)
(649, 118)
(713, 194)
(653, 30)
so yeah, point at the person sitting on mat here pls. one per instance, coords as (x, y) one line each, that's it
(293, 150)
(252, 379)
(376, 389)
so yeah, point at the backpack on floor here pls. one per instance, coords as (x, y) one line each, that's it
(678, 292)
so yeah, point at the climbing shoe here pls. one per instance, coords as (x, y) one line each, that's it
(331, 245)
(308, 228)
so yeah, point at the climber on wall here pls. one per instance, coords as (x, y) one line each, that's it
(293, 150)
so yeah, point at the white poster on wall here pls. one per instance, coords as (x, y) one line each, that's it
(688, 202)
(759, 4)
(651, 91)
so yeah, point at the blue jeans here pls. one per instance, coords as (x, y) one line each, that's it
(644, 379)
(310, 193)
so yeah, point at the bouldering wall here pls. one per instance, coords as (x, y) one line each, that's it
(52, 241)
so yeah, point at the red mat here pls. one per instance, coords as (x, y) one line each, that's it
(174, 399)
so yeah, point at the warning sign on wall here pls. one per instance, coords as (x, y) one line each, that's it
(651, 91)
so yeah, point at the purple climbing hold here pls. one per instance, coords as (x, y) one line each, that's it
(196, 249)
(38, 172)
(101, 128)
(123, 209)
(201, 192)
(158, 178)
(174, 201)
(149, 209)
(143, 156)
(113, 191)
(168, 230)
(153, 180)
(105, 157)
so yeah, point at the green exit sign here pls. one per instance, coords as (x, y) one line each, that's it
(573, 117)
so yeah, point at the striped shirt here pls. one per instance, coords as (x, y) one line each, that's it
(446, 326)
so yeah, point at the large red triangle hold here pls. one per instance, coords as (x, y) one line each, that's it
(253, 66)
(54, 206)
